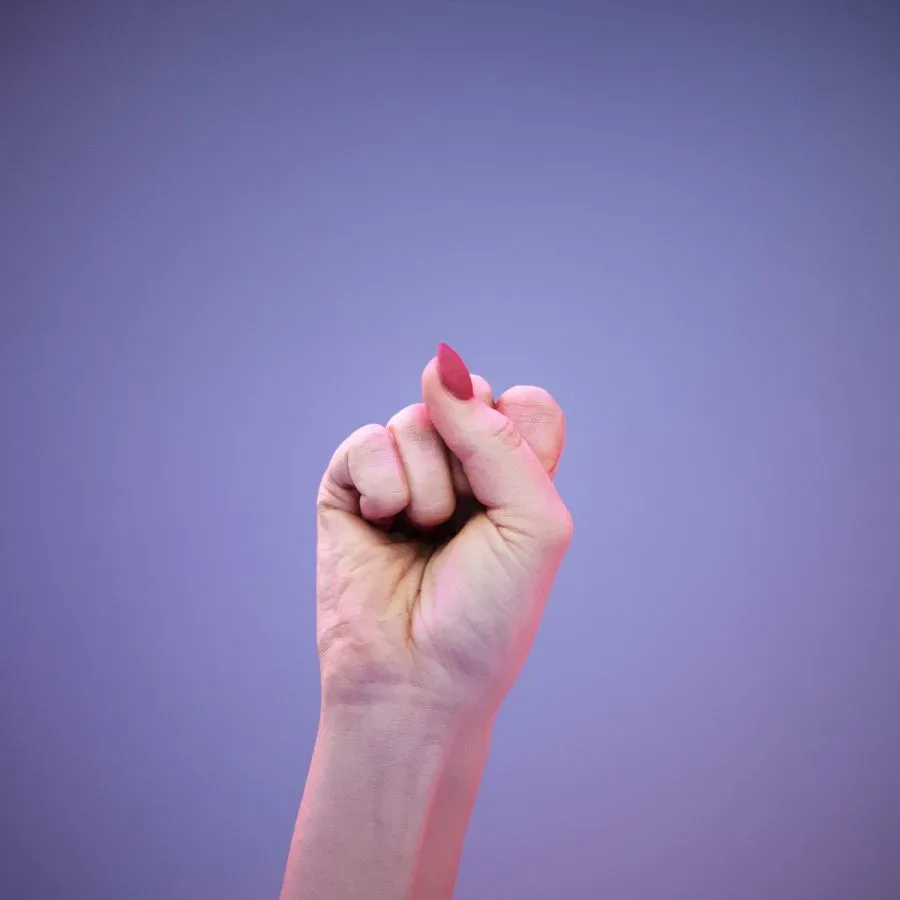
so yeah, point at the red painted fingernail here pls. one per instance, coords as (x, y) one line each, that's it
(453, 372)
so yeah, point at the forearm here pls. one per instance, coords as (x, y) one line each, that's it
(452, 809)
(385, 807)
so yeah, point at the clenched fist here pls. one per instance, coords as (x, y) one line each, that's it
(439, 535)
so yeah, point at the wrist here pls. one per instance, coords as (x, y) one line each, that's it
(401, 723)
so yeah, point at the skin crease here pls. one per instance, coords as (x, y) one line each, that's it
(439, 536)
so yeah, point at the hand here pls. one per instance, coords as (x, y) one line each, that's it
(439, 536)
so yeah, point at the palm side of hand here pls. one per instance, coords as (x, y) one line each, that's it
(420, 586)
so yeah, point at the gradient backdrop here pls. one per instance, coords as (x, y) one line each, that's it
(233, 232)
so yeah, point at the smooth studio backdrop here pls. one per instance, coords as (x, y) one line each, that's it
(231, 233)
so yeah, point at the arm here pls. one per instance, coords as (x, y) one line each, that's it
(386, 806)
(422, 629)
(454, 800)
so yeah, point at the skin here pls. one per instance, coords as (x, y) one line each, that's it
(439, 536)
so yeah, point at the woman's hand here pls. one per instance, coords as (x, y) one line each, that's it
(439, 536)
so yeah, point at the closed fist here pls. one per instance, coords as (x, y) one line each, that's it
(439, 536)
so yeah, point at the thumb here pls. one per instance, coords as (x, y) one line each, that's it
(505, 475)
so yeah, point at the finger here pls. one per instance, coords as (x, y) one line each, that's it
(505, 474)
(537, 417)
(426, 465)
(533, 411)
(540, 421)
(460, 483)
(365, 476)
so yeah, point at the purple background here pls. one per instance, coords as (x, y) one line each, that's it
(232, 233)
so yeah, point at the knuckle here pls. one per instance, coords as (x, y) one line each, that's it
(363, 471)
(528, 399)
(406, 418)
(412, 423)
(368, 444)
(535, 413)
(367, 436)
(505, 432)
